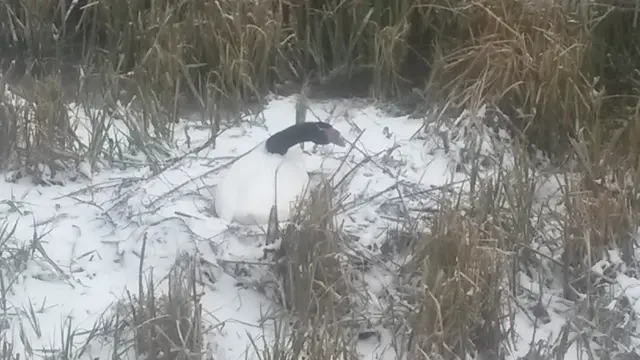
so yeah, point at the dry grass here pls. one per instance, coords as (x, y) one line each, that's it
(166, 327)
(464, 272)
(230, 51)
(312, 271)
(525, 56)
(7, 351)
(459, 271)
(555, 72)
(37, 135)
(313, 284)
(450, 289)
(321, 339)
(535, 60)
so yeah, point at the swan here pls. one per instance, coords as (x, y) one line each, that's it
(246, 192)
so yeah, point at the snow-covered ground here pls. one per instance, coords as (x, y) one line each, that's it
(90, 231)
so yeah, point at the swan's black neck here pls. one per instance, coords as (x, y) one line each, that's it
(282, 141)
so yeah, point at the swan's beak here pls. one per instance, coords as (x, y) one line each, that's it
(335, 137)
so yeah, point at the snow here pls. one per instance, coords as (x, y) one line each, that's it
(92, 228)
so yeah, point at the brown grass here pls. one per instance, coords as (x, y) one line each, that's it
(598, 215)
(456, 270)
(527, 58)
(311, 267)
(37, 131)
(166, 327)
(314, 285)
(535, 60)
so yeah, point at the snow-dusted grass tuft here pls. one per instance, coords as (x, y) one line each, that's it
(309, 265)
(452, 288)
(448, 300)
(520, 242)
(52, 134)
(37, 138)
(290, 339)
(7, 350)
(15, 260)
(167, 325)
(10, 263)
(312, 284)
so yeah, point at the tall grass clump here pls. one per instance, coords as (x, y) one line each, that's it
(527, 57)
(242, 48)
(614, 61)
(36, 131)
(536, 59)
(313, 285)
(615, 51)
(458, 308)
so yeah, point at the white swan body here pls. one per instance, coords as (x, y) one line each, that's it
(247, 191)
(246, 194)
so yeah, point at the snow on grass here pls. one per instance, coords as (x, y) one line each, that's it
(84, 239)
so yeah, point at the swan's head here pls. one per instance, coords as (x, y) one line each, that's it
(323, 134)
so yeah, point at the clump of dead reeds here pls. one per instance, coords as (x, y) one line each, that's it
(528, 58)
(311, 266)
(37, 136)
(536, 60)
(452, 285)
(314, 285)
(169, 326)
